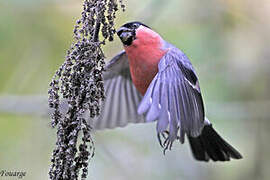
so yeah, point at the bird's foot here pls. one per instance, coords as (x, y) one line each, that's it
(164, 141)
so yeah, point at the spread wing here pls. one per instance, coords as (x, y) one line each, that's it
(174, 98)
(122, 98)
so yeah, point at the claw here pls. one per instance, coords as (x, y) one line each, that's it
(159, 140)
(166, 141)
(166, 144)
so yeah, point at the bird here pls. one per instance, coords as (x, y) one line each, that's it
(151, 80)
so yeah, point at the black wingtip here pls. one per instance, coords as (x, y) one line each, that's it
(209, 145)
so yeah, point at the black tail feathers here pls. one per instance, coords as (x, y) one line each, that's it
(209, 145)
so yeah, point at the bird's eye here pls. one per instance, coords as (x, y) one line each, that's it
(136, 26)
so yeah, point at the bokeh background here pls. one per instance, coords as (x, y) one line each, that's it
(228, 43)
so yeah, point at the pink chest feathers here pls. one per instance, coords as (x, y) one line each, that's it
(144, 55)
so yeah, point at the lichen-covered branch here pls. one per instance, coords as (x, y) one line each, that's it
(79, 81)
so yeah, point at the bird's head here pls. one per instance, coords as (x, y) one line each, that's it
(129, 32)
(144, 49)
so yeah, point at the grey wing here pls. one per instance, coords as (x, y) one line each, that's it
(122, 98)
(174, 99)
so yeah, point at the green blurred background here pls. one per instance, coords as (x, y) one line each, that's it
(228, 43)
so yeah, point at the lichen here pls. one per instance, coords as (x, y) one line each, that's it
(79, 82)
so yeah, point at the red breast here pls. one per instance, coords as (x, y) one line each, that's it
(144, 55)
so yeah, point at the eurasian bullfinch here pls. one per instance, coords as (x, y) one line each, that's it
(152, 80)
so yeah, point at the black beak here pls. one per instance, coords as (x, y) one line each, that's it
(126, 35)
